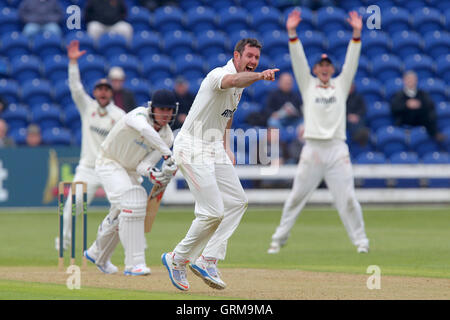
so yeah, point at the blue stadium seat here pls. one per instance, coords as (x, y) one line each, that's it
(420, 141)
(444, 67)
(275, 43)
(194, 85)
(10, 90)
(157, 67)
(437, 43)
(437, 158)
(443, 114)
(266, 19)
(37, 91)
(19, 135)
(146, 43)
(212, 42)
(364, 68)
(446, 133)
(14, 44)
(62, 93)
(5, 71)
(47, 44)
(378, 115)
(404, 158)
(371, 89)
(55, 68)
(188, 4)
(375, 42)
(177, 43)
(356, 149)
(395, 19)
(312, 41)
(283, 63)
(56, 137)
(446, 16)
(26, 67)
(261, 89)
(252, 5)
(391, 86)
(436, 88)
(72, 118)
(164, 83)
(112, 44)
(427, 19)
(77, 137)
(406, 43)
(369, 158)
(387, 66)
(308, 17)
(218, 61)
(233, 19)
(46, 115)
(141, 89)
(17, 116)
(9, 20)
(190, 66)
(390, 140)
(129, 63)
(201, 18)
(168, 18)
(423, 65)
(243, 111)
(412, 5)
(338, 43)
(139, 17)
(288, 134)
(331, 19)
(241, 34)
(219, 5)
(85, 40)
(92, 67)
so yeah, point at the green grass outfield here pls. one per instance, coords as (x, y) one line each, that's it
(404, 241)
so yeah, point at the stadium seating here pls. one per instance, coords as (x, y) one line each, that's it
(392, 86)
(85, 41)
(261, 89)
(211, 42)
(157, 67)
(338, 43)
(146, 43)
(331, 19)
(55, 68)
(19, 136)
(266, 19)
(390, 140)
(437, 158)
(241, 34)
(9, 20)
(26, 67)
(312, 41)
(139, 18)
(190, 66)
(308, 17)
(10, 90)
(427, 19)
(443, 115)
(274, 43)
(141, 89)
(288, 134)
(406, 43)
(387, 66)
(404, 158)
(62, 93)
(436, 88)
(178, 43)
(420, 142)
(217, 61)
(17, 116)
(371, 89)
(378, 115)
(242, 112)
(423, 65)
(129, 63)
(37, 91)
(47, 44)
(72, 118)
(56, 137)
(368, 158)
(167, 19)
(233, 19)
(395, 19)
(375, 42)
(46, 115)
(14, 44)
(4, 68)
(92, 67)
(444, 67)
(112, 44)
(200, 19)
(437, 43)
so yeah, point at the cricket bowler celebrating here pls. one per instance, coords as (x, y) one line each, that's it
(325, 154)
(98, 116)
(131, 150)
(202, 154)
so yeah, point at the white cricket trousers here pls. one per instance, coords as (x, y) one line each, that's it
(220, 201)
(88, 175)
(329, 160)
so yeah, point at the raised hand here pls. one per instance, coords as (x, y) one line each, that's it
(292, 22)
(73, 50)
(355, 21)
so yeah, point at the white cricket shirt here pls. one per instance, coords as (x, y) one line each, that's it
(134, 140)
(213, 106)
(96, 122)
(324, 108)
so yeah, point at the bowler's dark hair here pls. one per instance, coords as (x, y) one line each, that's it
(252, 42)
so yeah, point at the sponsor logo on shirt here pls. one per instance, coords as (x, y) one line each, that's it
(322, 100)
(228, 113)
(100, 131)
(141, 144)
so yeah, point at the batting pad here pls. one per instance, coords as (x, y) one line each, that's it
(131, 225)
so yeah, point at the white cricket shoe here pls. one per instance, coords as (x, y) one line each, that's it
(363, 249)
(274, 248)
(137, 270)
(66, 244)
(107, 268)
(177, 271)
(207, 270)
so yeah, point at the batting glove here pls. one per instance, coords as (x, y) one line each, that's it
(157, 177)
(169, 167)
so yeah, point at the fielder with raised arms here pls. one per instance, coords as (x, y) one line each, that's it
(325, 154)
(202, 154)
(98, 116)
(131, 150)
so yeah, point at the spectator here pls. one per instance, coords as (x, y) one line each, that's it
(356, 112)
(283, 106)
(185, 99)
(5, 141)
(40, 16)
(414, 107)
(107, 16)
(123, 97)
(34, 138)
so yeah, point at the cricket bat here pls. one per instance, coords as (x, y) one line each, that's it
(153, 202)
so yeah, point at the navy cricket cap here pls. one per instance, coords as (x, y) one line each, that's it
(164, 98)
(322, 57)
(102, 82)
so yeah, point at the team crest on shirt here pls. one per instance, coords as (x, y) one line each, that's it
(228, 113)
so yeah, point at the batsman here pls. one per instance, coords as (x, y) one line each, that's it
(131, 151)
